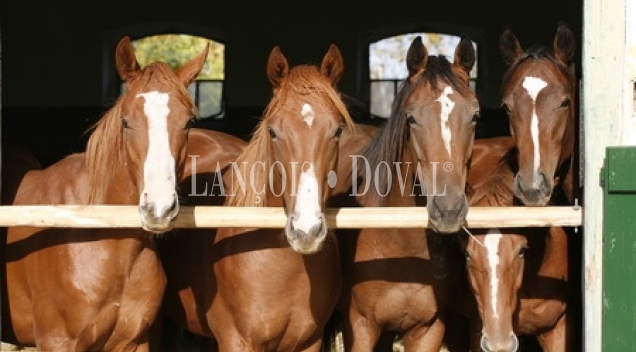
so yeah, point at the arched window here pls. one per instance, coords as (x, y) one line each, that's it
(175, 46)
(387, 62)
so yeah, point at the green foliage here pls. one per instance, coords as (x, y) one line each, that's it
(177, 49)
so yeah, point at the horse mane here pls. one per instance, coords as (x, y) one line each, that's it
(105, 147)
(389, 145)
(537, 53)
(304, 84)
(496, 188)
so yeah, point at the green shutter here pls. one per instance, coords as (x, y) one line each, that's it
(618, 178)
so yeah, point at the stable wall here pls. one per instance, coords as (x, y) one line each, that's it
(55, 52)
(53, 49)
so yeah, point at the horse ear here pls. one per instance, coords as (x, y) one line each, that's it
(564, 43)
(189, 72)
(332, 65)
(277, 67)
(416, 57)
(465, 54)
(125, 59)
(509, 46)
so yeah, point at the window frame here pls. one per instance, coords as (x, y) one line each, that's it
(111, 83)
(364, 80)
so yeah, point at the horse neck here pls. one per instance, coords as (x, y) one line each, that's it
(400, 189)
(121, 189)
(125, 193)
(568, 167)
(569, 183)
(555, 258)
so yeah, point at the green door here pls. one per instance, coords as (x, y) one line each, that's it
(618, 178)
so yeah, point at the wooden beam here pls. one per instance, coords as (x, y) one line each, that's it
(103, 216)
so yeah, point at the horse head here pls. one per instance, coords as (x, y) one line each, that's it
(438, 110)
(152, 119)
(539, 96)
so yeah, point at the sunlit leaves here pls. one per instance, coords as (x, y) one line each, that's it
(177, 49)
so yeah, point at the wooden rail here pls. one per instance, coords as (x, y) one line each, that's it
(104, 216)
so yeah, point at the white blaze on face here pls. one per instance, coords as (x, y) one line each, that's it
(447, 107)
(308, 114)
(492, 249)
(159, 166)
(533, 86)
(307, 211)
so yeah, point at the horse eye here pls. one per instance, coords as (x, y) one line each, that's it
(411, 120)
(522, 251)
(505, 106)
(476, 117)
(467, 255)
(565, 103)
(272, 133)
(124, 123)
(190, 123)
(338, 132)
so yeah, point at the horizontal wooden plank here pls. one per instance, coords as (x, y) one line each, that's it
(124, 216)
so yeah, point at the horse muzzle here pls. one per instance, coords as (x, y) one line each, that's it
(306, 235)
(509, 344)
(159, 218)
(535, 190)
(447, 214)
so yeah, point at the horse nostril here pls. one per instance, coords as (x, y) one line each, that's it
(544, 182)
(460, 203)
(174, 206)
(518, 183)
(483, 343)
(435, 210)
(515, 343)
(317, 229)
(462, 206)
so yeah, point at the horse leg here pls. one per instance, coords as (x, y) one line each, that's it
(137, 339)
(359, 334)
(425, 338)
(315, 346)
(556, 339)
(53, 333)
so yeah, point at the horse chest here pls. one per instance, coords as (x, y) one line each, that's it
(391, 243)
(538, 314)
(399, 306)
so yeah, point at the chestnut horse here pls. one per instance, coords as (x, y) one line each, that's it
(517, 278)
(101, 289)
(539, 94)
(254, 289)
(396, 280)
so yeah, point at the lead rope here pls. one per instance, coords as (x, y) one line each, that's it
(473, 236)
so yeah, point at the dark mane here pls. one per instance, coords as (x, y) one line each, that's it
(105, 146)
(385, 147)
(304, 83)
(536, 53)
